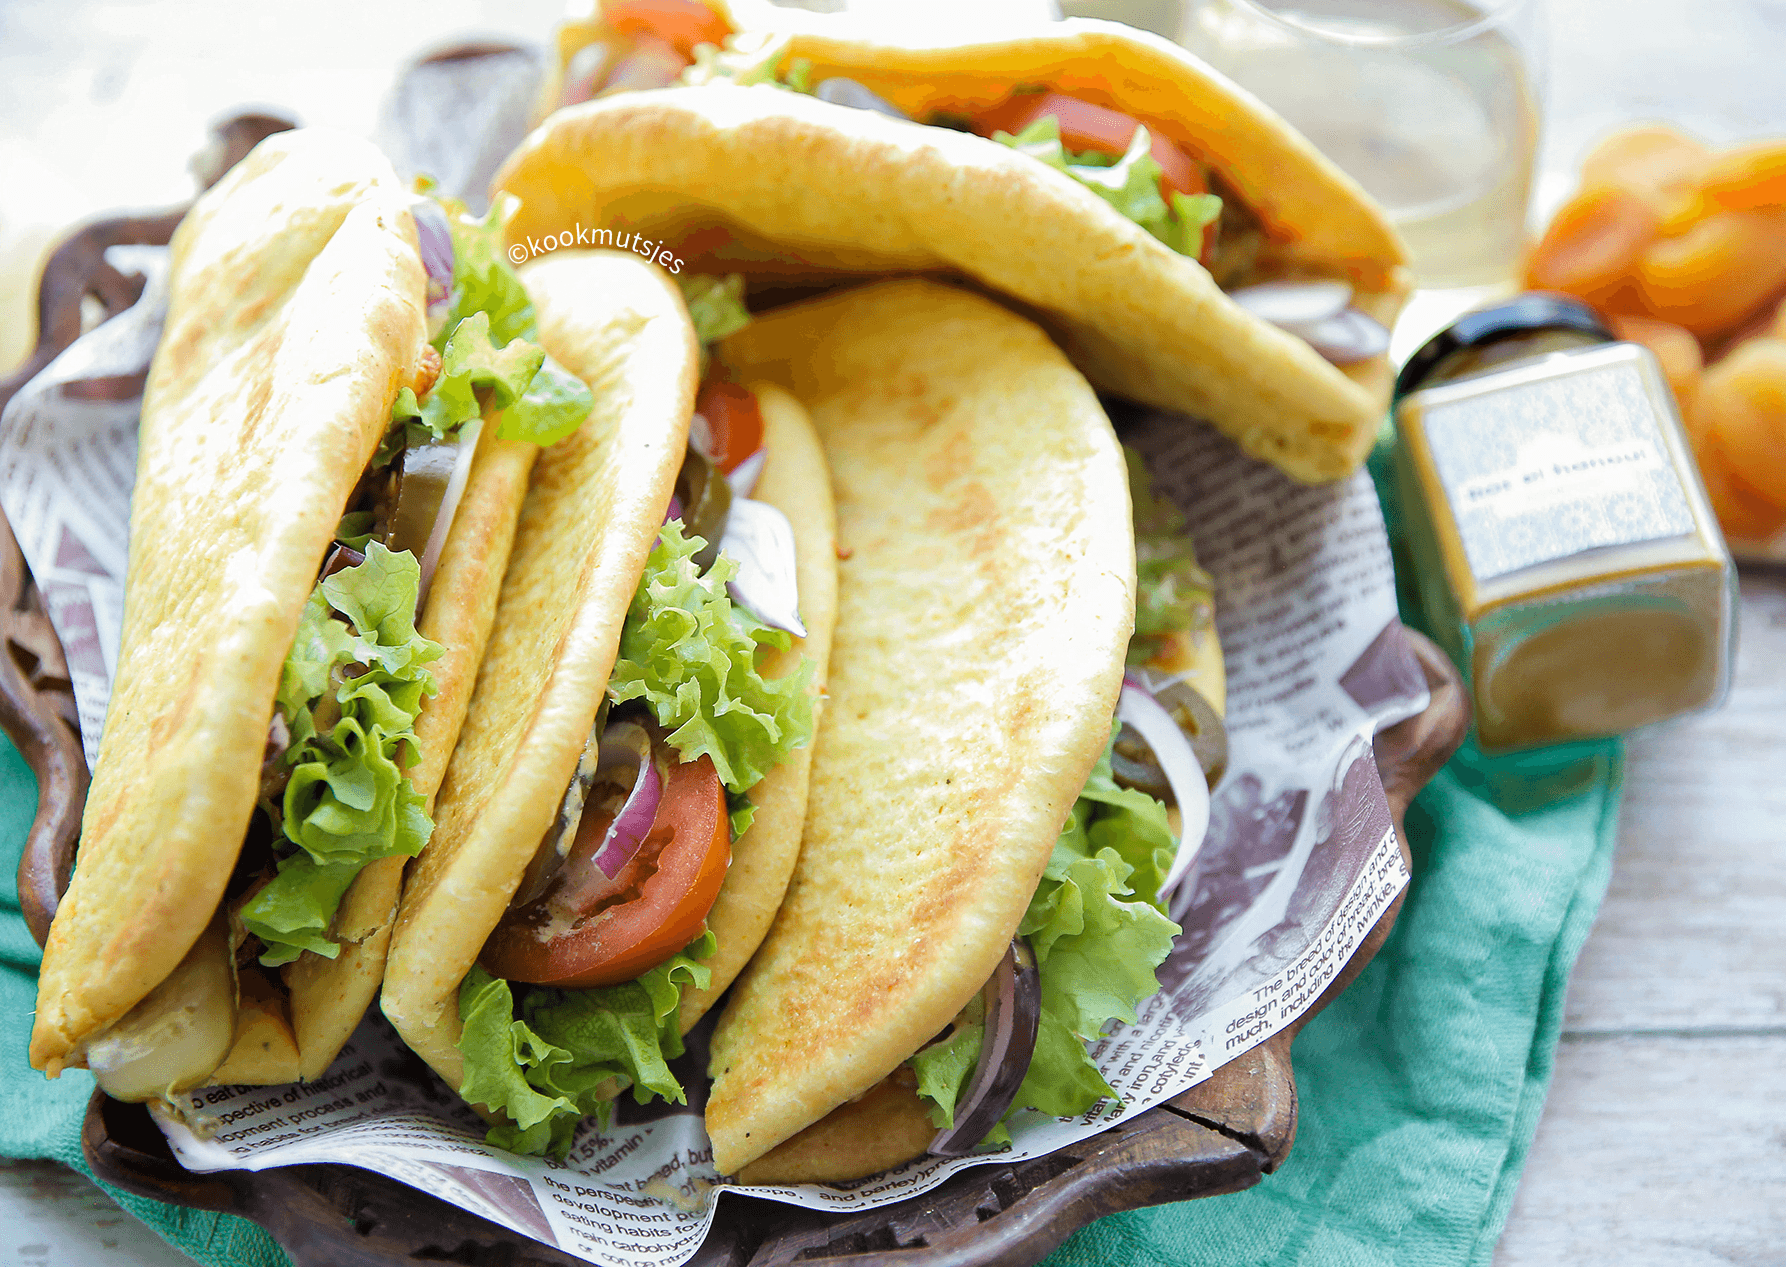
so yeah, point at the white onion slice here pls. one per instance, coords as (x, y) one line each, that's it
(1179, 762)
(743, 477)
(1345, 337)
(759, 539)
(847, 92)
(449, 506)
(623, 744)
(1293, 303)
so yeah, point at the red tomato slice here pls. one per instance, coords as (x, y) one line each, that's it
(690, 844)
(1084, 126)
(684, 23)
(728, 425)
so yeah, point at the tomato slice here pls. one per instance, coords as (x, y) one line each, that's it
(680, 864)
(1084, 126)
(728, 425)
(684, 23)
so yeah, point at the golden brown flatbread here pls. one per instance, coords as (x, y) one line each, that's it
(805, 191)
(985, 599)
(796, 481)
(295, 313)
(586, 528)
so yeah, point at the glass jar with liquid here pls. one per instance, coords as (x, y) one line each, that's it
(1567, 555)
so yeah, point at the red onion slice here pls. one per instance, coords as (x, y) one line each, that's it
(467, 445)
(1345, 337)
(1013, 1017)
(1172, 749)
(1293, 303)
(434, 237)
(743, 477)
(674, 510)
(759, 539)
(628, 744)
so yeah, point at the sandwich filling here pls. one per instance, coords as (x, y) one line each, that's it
(334, 792)
(1158, 183)
(1096, 926)
(577, 992)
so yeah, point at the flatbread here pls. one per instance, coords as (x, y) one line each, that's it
(804, 190)
(295, 313)
(891, 1124)
(588, 523)
(985, 599)
(795, 481)
(329, 997)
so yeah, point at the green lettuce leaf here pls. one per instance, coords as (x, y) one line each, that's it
(554, 405)
(291, 914)
(487, 351)
(1098, 933)
(691, 656)
(1131, 184)
(715, 305)
(568, 1053)
(483, 280)
(1172, 593)
(944, 1068)
(346, 801)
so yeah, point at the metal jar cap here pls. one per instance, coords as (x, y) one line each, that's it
(1529, 313)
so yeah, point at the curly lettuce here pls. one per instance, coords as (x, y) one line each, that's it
(690, 654)
(554, 1057)
(1098, 933)
(488, 351)
(1173, 593)
(349, 692)
(1131, 183)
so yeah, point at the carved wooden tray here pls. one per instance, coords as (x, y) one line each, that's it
(1218, 1137)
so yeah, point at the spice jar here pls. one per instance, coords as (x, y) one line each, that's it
(1568, 557)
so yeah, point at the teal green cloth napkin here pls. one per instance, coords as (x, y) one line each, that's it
(41, 1118)
(1420, 1087)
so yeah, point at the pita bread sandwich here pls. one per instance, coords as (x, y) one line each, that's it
(1185, 246)
(622, 813)
(976, 894)
(336, 434)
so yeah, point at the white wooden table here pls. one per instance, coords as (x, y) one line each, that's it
(1664, 1139)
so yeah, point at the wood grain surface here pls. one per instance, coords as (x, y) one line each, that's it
(1663, 1143)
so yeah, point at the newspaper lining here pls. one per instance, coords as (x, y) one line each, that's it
(1300, 861)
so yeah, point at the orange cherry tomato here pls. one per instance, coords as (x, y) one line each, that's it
(680, 864)
(683, 23)
(728, 424)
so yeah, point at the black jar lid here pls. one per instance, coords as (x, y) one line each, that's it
(1534, 311)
